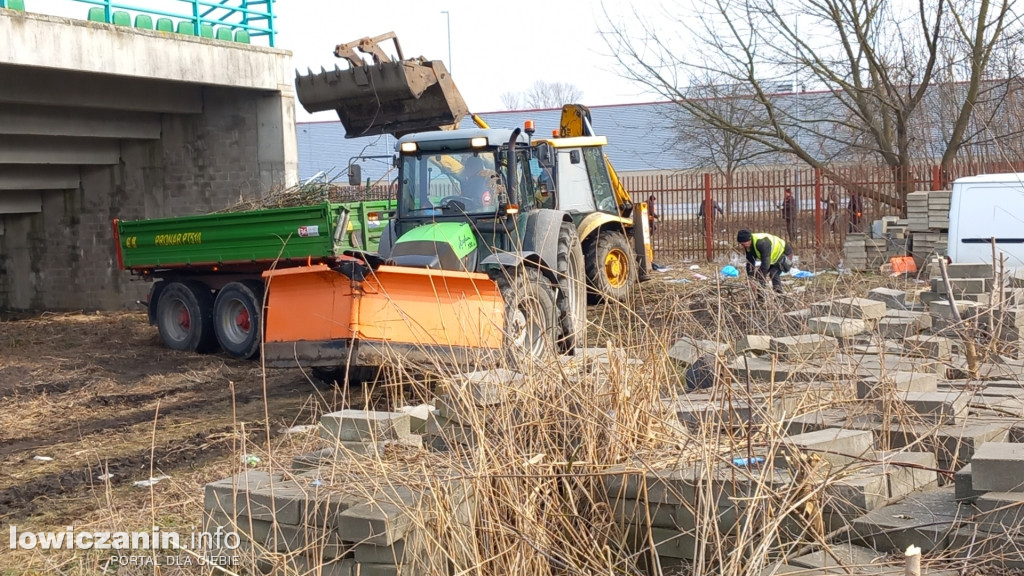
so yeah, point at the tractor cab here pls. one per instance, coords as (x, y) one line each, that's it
(455, 202)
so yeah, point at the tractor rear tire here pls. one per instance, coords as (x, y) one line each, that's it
(611, 267)
(572, 290)
(531, 326)
(238, 318)
(185, 317)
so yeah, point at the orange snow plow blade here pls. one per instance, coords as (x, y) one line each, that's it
(321, 317)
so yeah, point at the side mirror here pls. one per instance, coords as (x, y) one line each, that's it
(355, 174)
(574, 156)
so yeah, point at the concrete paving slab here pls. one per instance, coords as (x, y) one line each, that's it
(1000, 512)
(939, 407)
(804, 346)
(924, 520)
(688, 350)
(837, 327)
(859, 308)
(933, 347)
(363, 426)
(841, 555)
(897, 383)
(999, 467)
(837, 446)
(892, 298)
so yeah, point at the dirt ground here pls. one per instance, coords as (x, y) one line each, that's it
(90, 404)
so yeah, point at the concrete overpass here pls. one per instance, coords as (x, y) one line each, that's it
(100, 121)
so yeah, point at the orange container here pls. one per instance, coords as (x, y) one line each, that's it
(903, 265)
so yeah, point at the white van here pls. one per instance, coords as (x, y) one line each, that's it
(983, 207)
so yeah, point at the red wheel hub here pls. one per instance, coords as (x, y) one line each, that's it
(184, 318)
(242, 320)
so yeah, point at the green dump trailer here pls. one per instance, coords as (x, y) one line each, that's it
(207, 270)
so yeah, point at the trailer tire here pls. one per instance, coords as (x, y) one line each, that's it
(611, 267)
(531, 327)
(238, 318)
(153, 300)
(572, 289)
(185, 317)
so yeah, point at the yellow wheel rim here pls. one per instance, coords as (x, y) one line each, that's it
(616, 267)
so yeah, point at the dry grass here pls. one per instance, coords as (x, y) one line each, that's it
(527, 485)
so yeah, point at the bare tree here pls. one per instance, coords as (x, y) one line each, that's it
(876, 60)
(512, 100)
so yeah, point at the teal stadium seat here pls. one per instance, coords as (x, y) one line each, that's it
(121, 18)
(144, 22)
(224, 34)
(164, 25)
(96, 14)
(242, 36)
(206, 30)
(16, 5)
(186, 28)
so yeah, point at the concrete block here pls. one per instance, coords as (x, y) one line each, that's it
(228, 496)
(858, 308)
(363, 426)
(909, 472)
(417, 417)
(839, 555)
(928, 347)
(371, 569)
(897, 328)
(380, 523)
(953, 444)
(944, 309)
(984, 550)
(837, 327)
(804, 346)
(962, 286)
(922, 319)
(836, 445)
(963, 482)
(487, 387)
(859, 492)
(897, 383)
(637, 512)
(892, 298)
(753, 343)
(688, 350)
(1000, 512)
(397, 553)
(675, 544)
(286, 502)
(925, 520)
(940, 407)
(968, 270)
(999, 467)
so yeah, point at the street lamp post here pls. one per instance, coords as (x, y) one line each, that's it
(448, 19)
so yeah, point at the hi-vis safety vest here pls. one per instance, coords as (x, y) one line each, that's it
(778, 247)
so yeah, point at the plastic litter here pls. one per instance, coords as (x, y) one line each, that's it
(104, 477)
(42, 459)
(298, 429)
(150, 482)
(250, 459)
(748, 462)
(700, 277)
(694, 267)
(316, 483)
(730, 272)
(803, 274)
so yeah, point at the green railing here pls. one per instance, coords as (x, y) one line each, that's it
(230, 20)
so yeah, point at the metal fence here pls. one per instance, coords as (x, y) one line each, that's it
(753, 200)
(233, 20)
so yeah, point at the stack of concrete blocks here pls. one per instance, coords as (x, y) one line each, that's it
(914, 397)
(992, 487)
(861, 252)
(894, 231)
(463, 403)
(312, 522)
(846, 318)
(917, 212)
(900, 320)
(938, 209)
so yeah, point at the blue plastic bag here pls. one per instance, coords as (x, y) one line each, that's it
(803, 274)
(730, 272)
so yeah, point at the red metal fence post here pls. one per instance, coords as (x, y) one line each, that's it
(709, 216)
(817, 210)
(936, 178)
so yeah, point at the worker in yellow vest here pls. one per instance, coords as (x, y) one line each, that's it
(773, 252)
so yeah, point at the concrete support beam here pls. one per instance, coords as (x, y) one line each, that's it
(26, 202)
(85, 122)
(70, 150)
(16, 177)
(75, 89)
(52, 42)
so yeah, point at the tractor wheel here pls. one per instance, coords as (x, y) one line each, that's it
(531, 328)
(238, 318)
(611, 268)
(185, 317)
(572, 290)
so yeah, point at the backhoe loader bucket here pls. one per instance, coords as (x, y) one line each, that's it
(385, 97)
(353, 315)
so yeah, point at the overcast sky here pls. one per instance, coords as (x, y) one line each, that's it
(496, 47)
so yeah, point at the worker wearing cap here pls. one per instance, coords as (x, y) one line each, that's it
(773, 252)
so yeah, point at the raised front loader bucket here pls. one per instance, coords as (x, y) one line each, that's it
(352, 315)
(385, 97)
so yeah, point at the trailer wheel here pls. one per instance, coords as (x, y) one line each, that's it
(185, 317)
(238, 318)
(572, 289)
(611, 268)
(530, 314)
(153, 300)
